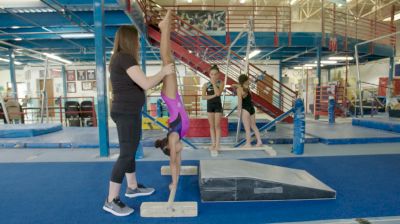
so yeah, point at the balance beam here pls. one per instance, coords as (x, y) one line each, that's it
(169, 209)
(267, 149)
(185, 170)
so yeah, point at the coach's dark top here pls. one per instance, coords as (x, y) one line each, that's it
(128, 97)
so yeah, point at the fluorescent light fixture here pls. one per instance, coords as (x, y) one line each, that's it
(396, 17)
(292, 2)
(242, 1)
(254, 53)
(327, 62)
(312, 65)
(341, 58)
(18, 39)
(77, 35)
(6, 60)
(55, 57)
(297, 67)
(15, 27)
(189, 1)
(348, 1)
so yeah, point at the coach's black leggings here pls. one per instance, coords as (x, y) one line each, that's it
(128, 127)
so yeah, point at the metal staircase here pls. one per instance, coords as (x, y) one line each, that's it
(199, 51)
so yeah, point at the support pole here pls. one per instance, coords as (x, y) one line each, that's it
(329, 75)
(280, 71)
(331, 110)
(359, 90)
(64, 79)
(299, 128)
(139, 152)
(43, 93)
(12, 74)
(390, 81)
(319, 64)
(101, 77)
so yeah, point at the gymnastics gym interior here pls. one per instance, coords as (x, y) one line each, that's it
(324, 79)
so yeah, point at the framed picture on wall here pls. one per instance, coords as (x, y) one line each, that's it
(71, 87)
(55, 73)
(91, 75)
(71, 75)
(81, 75)
(42, 73)
(87, 86)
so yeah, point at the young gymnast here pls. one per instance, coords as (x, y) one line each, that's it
(178, 120)
(246, 110)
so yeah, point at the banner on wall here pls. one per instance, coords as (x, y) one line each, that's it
(210, 22)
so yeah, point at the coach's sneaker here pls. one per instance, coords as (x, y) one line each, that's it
(139, 191)
(117, 207)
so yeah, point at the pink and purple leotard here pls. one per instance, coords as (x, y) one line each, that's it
(178, 119)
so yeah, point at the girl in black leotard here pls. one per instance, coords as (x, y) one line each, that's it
(212, 93)
(246, 110)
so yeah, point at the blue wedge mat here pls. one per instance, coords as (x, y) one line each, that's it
(367, 186)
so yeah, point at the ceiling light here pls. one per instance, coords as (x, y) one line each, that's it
(327, 62)
(6, 60)
(339, 5)
(341, 58)
(297, 67)
(189, 1)
(15, 27)
(292, 2)
(396, 17)
(254, 53)
(18, 39)
(57, 58)
(312, 65)
(242, 1)
(77, 35)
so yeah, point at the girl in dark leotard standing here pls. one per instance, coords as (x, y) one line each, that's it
(246, 110)
(212, 93)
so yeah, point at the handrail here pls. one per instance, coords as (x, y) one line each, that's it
(340, 23)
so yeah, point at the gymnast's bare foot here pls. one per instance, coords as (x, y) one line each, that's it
(212, 147)
(171, 186)
(247, 146)
(165, 24)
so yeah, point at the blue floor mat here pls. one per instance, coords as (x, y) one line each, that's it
(348, 134)
(367, 186)
(27, 130)
(378, 123)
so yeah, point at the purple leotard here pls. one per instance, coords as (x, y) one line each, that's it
(178, 119)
